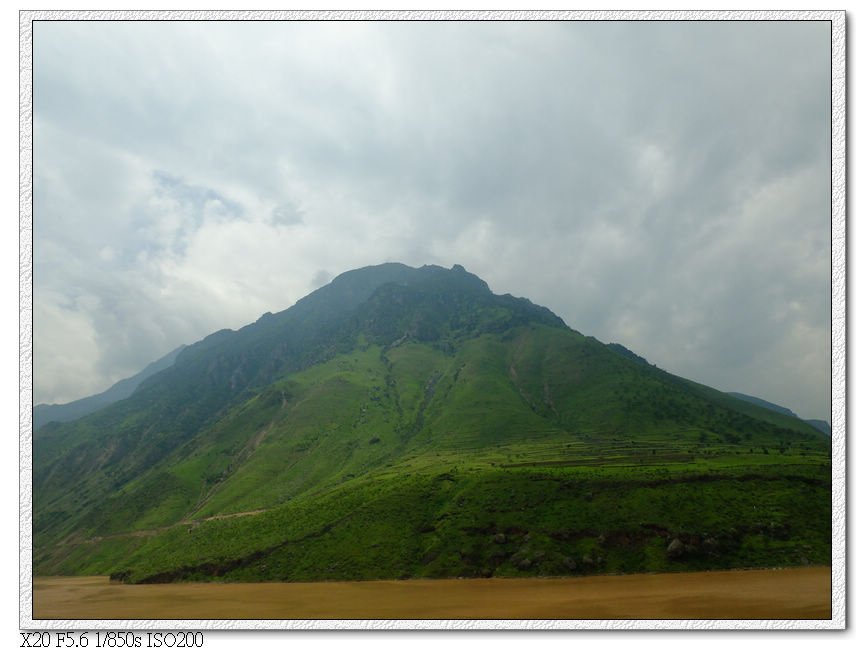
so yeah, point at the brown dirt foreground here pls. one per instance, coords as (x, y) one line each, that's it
(803, 593)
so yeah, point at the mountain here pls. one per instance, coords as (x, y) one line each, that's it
(621, 350)
(764, 404)
(45, 413)
(820, 425)
(404, 422)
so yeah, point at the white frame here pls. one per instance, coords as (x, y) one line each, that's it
(839, 349)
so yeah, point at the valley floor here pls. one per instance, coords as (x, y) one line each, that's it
(799, 593)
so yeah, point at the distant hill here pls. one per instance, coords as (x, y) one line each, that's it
(820, 425)
(407, 422)
(45, 413)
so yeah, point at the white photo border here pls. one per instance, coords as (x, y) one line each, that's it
(838, 336)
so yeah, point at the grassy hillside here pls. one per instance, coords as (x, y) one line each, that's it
(480, 518)
(409, 461)
(438, 430)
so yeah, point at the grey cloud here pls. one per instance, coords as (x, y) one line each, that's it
(287, 214)
(660, 184)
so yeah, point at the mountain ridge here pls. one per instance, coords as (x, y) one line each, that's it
(45, 413)
(819, 425)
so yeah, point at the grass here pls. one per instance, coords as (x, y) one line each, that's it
(416, 520)
(535, 451)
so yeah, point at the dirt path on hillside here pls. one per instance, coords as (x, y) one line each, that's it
(803, 593)
(186, 522)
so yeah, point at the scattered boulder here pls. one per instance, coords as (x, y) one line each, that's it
(500, 538)
(525, 563)
(675, 549)
(587, 560)
(569, 563)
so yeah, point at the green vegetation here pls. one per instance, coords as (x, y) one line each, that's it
(409, 423)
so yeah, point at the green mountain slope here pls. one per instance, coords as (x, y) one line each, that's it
(408, 422)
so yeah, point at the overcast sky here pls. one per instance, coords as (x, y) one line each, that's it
(661, 185)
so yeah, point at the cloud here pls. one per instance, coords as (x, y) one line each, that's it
(662, 184)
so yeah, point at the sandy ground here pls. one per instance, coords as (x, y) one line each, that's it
(803, 593)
